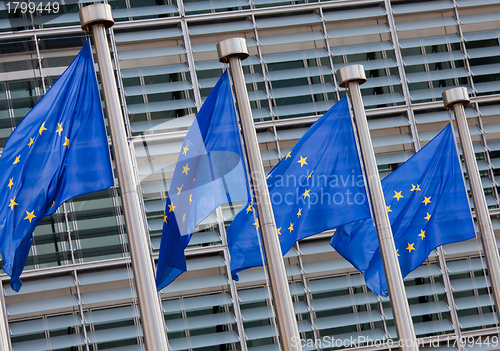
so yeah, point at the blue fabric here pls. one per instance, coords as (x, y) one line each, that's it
(427, 205)
(315, 187)
(58, 151)
(210, 172)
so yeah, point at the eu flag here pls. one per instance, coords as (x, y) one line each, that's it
(58, 151)
(209, 172)
(317, 186)
(427, 205)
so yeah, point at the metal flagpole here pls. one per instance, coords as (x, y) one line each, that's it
(97, 18)
(352, 77)
(456, 99)
(4, 326)
(233, 51)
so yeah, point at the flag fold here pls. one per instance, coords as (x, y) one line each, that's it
(58, 151)
(317, 186)
(209, 172)
(427, 205)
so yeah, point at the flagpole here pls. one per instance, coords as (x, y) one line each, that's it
(351, 77)
(97, 18)
(456, 99)
(232, 51)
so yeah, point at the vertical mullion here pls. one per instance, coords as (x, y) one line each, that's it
(491, 174)
(330, 55)
(463, 47)
(449, 295)
(404, 81)
(232, 285)
(80, 309)
(267, 85)
(308, 295)
(67, 227)
(190, 59)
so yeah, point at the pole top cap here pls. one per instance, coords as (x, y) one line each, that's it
(351, 73)
(232, 47)
(455, 96)
(94, 14)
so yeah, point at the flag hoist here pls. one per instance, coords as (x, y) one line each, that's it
(96, 19)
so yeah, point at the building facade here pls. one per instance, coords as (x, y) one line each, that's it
(78, 291)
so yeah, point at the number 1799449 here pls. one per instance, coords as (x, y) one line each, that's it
(32, 7)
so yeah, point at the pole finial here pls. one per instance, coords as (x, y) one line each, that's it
(349, 73)
(96, 13)
(232, 47)
(454, 96)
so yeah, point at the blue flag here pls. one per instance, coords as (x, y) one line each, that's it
(210, 172)
(427, 205)
(58, 151)
(317, 186)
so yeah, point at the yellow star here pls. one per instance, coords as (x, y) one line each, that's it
(12, 203)
(184, 217)
(249, 208)
(165, 218)
(42, 128)
(309, 176)
(302, 161)
(398, 195)
(171, 208)
(59, 129)
(16, 160)
(428, 217)
(31, 142)
(290, 228)
(427, 200)
(410, 247)
(66, 142)
(11, 183)
(415, 188)
(388, 208)
(53, 203)
(185, 169)
(185, 150)
(30, 215)
(179, 189)
(256, 223)
(279, 231)
(299, 213)
(190, 198)
(422, 234)
(397, 252)
(288, 155)
(306, 193)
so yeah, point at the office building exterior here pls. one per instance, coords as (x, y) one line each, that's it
(78, 291)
